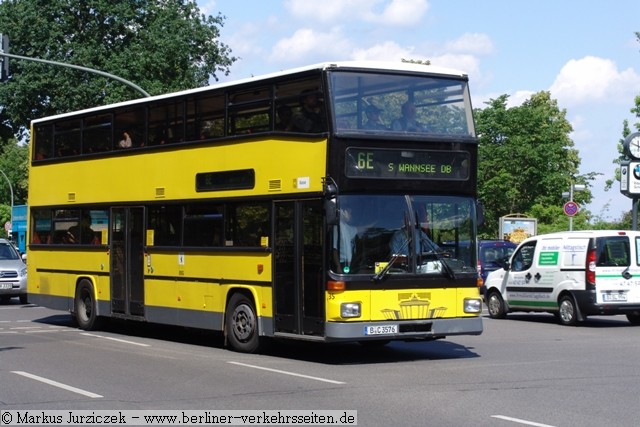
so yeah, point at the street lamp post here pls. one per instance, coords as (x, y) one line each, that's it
(574, 187)
(11, 190)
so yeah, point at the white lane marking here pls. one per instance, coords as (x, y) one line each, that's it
(519, 421)
(288, 373)
(57, 384)
(115, 339)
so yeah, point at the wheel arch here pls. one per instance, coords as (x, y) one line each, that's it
(80, 280)
(247, 292)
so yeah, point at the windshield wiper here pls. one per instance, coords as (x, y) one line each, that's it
(379, 275)
(436, 251)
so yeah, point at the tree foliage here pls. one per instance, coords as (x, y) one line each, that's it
(526, 159)
(14, 164)
(160, 45)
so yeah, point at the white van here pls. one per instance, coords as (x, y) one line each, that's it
(570, 274)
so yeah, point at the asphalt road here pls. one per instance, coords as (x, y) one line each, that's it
(525, 370)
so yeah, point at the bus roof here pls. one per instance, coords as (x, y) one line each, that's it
(360, 65)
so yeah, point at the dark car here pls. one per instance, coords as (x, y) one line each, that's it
(489, 253)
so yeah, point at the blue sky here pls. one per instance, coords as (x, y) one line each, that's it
(584, 51)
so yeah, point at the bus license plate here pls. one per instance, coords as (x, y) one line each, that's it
(381, 330)
(614, 297)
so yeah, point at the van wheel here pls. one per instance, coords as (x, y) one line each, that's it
(241, 324)
(568, 313)
(634, 319)
(85, 307)
(495, 305)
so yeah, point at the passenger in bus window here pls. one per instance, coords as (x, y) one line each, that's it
(310, 118)
(407, 122)
(285, 117)
(373, 118)
(125, 142)
(344, 241)
(82, 232)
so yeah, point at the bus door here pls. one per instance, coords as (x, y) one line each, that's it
(298, 289)
(127, 261)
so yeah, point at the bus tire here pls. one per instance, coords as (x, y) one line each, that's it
(85, 306)
(241, 324)
(495, 305)
(568, 313)
(634, 319)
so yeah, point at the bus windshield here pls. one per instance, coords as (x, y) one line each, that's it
(388, 103)
(415, 234)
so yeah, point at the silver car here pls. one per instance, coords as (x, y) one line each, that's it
(13, 273)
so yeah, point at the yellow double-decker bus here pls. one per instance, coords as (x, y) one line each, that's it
(332, 203)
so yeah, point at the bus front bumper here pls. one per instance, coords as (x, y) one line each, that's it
(402, 330)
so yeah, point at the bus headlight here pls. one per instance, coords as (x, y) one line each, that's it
(472, 305)
(350, 309)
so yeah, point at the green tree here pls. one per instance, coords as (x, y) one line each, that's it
(526, 159)
(162, 46)
(14, 165)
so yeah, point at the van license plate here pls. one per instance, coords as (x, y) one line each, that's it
(614, 297)
(6, 285)
(381, 330)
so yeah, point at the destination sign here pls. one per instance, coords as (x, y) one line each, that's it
(407, 164)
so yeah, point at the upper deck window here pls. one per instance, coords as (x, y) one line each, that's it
(407, 104)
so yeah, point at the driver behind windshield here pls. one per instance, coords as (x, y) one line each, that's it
(399, 243)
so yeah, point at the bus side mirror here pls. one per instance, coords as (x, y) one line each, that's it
(331, 212)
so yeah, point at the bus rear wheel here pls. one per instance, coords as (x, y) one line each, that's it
(241, 324)
(85, 307)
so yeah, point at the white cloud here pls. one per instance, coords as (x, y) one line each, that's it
(403, 12)
(592, 79)
(386, 51)
(384, 12)
(519, 97)
(468, 64)
(308, 44)
(476, 43)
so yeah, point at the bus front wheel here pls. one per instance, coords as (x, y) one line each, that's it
(85, 306)
(241, 324)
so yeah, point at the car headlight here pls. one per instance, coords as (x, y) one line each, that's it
(472, 305)
(23, 272)
(350, 309)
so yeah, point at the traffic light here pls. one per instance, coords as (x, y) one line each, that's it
(4, 60)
